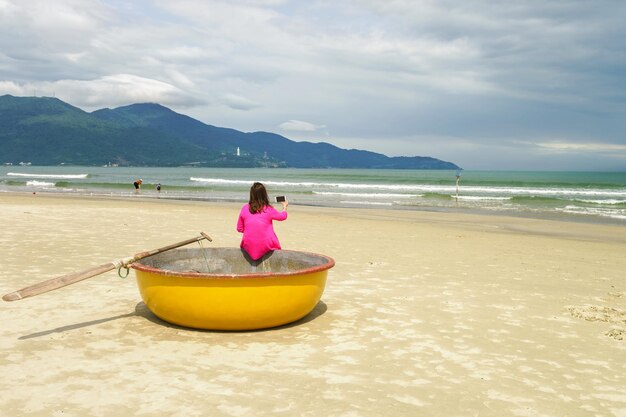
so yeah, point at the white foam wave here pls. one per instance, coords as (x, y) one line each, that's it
(39, 184)
(480, 198)
(367, 195)
(308, 184)
(426, 188)
(603, 212)
(607, 202)
(366, 203)
(544, 192)
(222, 181)
(57, 176)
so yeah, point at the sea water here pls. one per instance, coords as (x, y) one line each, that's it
(573, 195)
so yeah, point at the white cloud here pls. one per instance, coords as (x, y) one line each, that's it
(576, 147)
(108, 91)
(9, 87)
(237, 102)
(300, 126)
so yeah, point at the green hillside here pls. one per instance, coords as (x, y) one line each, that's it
(47, 131)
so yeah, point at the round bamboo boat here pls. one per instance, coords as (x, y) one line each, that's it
(222, 289)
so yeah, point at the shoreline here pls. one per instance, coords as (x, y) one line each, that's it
(425, 313)
(153, 196)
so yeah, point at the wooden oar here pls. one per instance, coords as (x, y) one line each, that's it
(62, 281)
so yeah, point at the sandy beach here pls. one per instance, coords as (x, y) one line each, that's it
(424, 314)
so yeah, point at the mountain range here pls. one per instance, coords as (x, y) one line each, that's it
(48, 131)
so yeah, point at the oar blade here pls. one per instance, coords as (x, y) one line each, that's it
(58, 282)
(12, 296)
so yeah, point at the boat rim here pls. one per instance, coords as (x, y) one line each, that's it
(330, 262)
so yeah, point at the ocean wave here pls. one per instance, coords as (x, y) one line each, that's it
(310, 184)
(366, 203)
(431, 188)
(480, 198)
(536, 200)
(566, 200)
(39, 184)
(365, 195)
(51, 176)
(610, 202)
(596, 211)
(556, 192)
(222, 181)
(437, 196)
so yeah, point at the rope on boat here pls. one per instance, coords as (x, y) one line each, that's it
(124, 262)
(206, 260)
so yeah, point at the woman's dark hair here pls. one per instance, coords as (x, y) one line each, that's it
(258, 198)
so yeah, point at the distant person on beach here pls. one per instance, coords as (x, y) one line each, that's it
(137, 185)
(158, 187)
(255, 222)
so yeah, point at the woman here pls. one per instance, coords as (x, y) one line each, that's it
(255, 222)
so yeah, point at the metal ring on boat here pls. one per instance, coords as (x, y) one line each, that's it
(119, 271)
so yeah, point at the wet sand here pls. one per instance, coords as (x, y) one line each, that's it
(424, 314)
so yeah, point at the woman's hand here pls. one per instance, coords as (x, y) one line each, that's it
(285, 204)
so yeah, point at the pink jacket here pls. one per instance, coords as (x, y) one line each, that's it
(258, 233)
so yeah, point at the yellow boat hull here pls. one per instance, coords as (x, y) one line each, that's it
(220, 289)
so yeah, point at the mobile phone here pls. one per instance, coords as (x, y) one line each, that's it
(280, 198)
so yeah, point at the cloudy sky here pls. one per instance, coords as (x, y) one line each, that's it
(527, 84)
